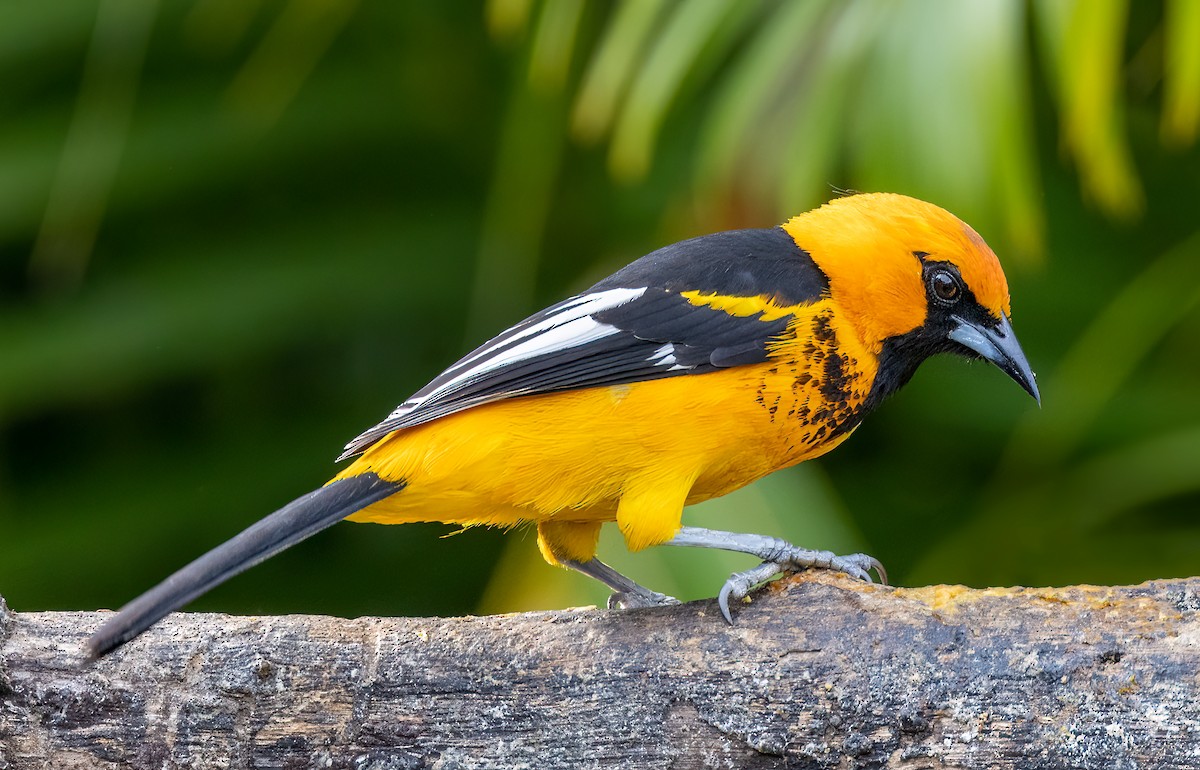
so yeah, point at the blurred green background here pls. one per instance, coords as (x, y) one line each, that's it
(235, 233)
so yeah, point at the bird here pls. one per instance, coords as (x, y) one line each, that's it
(687, 374)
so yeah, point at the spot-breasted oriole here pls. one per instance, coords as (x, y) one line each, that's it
(687, 374)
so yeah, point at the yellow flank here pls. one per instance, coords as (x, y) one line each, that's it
(634, 454)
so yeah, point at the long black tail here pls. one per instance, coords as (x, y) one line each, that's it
(289, 525)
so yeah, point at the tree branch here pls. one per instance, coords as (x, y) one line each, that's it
(819, 672)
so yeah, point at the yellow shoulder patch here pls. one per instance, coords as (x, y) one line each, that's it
(740, 306)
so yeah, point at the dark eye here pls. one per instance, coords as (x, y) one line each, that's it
(944, 285)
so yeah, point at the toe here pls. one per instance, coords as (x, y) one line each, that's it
(739, 584)
(859, 565)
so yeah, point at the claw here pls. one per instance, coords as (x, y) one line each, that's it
(879, 570)
(723, 602)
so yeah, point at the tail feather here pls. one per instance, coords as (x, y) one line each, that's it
(289, 525)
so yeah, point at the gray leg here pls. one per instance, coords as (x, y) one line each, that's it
(626, 593)
(777, 556)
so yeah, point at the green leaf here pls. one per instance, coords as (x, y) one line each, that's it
(612, 67)
(1181, 72)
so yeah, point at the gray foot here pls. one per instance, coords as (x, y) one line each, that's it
(627, 595)
(777, 556)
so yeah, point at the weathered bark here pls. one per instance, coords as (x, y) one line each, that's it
(819, 672)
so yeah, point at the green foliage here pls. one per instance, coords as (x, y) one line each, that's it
(233, 234)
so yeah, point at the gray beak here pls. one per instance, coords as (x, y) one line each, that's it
(998, 345)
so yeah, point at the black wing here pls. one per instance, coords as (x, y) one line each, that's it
(634, 325)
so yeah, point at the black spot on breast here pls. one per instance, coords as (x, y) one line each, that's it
(826, 395)
(835, 386)
(823, 329)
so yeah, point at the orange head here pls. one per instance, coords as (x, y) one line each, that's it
(912, 280)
